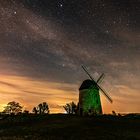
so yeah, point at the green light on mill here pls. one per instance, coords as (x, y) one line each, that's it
(89, 98)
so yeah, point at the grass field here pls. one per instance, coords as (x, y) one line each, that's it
(68, 127)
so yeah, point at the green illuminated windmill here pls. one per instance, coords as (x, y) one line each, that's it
(89, 98)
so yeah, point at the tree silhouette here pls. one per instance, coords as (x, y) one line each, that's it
(45, 108)
(13, 108)
(42, 108)
(35, 111)
(67, 108)
(70, 108)
(26, 111)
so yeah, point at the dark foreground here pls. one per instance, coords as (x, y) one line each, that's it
(66, 127)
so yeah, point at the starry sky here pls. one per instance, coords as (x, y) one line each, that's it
(44, 42)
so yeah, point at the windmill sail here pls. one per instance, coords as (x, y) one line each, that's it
(103, 91)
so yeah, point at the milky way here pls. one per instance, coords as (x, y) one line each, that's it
(46, 41)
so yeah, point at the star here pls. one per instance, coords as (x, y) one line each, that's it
(63, 65)
(46, 41)
(15, 12)
(107, 31)
(61, 5)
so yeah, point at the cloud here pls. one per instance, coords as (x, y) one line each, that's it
(31, 92)
(51, 49)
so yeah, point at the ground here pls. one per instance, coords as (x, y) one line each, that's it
(70, 127)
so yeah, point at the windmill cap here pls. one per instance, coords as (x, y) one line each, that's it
(87, 84)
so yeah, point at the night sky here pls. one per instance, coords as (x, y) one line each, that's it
(43, 44)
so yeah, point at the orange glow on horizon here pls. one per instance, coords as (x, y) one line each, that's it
(30, 92)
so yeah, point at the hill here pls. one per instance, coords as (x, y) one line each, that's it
(70, 127)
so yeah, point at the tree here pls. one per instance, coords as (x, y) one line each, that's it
(70, 108)
(35, 111)
(45, 108)
(42, 108)
(13, 108)
(26, 111)
(67, 108)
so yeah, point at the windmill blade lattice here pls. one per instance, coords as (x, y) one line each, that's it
(100, 78)
(105, 93)
(100, 88)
